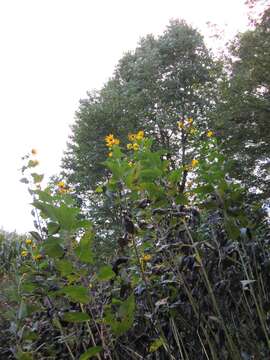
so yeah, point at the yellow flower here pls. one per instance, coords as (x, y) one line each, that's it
(190, 120)
(129, 146)
(210, 133)
(131, 137)
(180, 124)
(194, 162)
(34, 152)
(136, 147)
(24, 253)
(110, 154)
(35, 162)
(28, 241)
(146, 258)
(61, 184)
(140, 135)
(37, 257)
(130, 163)
(111, 140)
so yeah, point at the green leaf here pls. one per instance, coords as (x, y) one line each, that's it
(105, 273)
(65, 267)
(175, 176)
(76, 317)
(53, 228)
(36, 236)
(99, 189)
(156, 344)
(150, 175)
(124, 318)
(232, 229)
(28, 287)
(37, 177)
(64, 215)
(84, 249)
(76, 293)
(91, 352)
(53, 247)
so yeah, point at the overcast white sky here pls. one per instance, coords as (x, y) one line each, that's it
(52, 52)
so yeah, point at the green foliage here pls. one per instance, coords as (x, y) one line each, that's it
(188, 277)
(164, 79)
(174, 262)
(242, 116)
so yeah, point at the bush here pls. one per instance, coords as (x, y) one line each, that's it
(189, 279)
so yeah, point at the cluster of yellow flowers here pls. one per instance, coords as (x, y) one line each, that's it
(62, 187)
(188, 123)
(111, 140)
(25, 253)
(138, 136)
(37, 257)
(134, 138)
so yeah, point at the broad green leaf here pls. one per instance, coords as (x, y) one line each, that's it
(84, 249)
(65, 267)
(53, 228)
(150, 175)
(76, 317)
(76, 293)
(64, 215)
(53, 247)
(91, 352)
(105, 273)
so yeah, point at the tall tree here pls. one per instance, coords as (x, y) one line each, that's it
(166, 78)
(243, 116)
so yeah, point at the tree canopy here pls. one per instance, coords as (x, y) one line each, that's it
(244, 109)
(166, 78)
